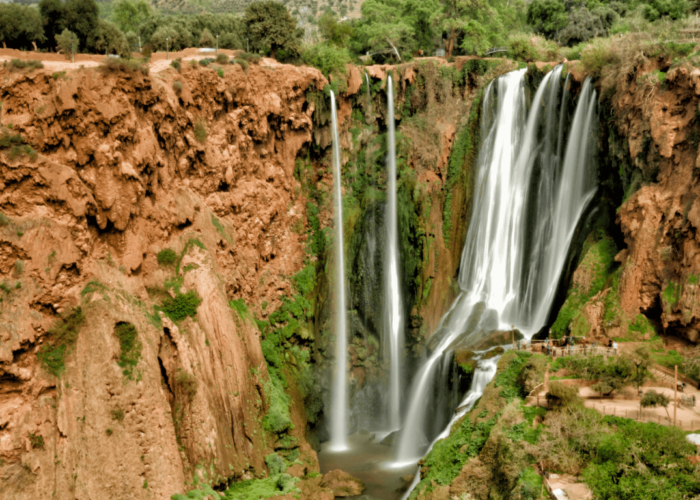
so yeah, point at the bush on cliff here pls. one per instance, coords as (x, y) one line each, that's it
(60, 339)
(182, 305)
(130, 347)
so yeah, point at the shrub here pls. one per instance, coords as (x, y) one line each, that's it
(220, 72)
(328, 58)
(24, 64)
(60, 338)
(186, 384)
(547, 16)
(19, 265)
(242, 63)
(561, 395)
(182, 305)
(177, 86)
(582, 26)
(37, 441)
(4, 220)
(130, 347)
(222, 59)
(275, 463)
(200, 131)
(117, 415)
(177, 64)
(277, 419)
(250, 57)
(597, 56)
(206, 61)
(167, 256)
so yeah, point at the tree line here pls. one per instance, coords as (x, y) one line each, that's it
(76, 25)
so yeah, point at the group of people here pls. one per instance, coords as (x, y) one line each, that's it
(568, 343)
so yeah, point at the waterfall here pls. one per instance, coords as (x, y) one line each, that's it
(393, 320)
(483, 374)
(339, 402)
(526, 205)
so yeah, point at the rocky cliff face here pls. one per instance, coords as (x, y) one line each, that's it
(123, 166)
(638, 274)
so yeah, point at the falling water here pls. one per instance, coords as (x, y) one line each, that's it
(392, 290)
(526, 206)
(339, 403)
(483, 374)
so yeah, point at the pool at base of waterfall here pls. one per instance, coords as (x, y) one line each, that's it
(371, 462)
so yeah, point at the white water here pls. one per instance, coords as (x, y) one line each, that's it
(484, 373)
(339, 397)
(518, 239)
(393, 319)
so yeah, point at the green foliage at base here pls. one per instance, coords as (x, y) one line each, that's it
(507, 378)
(561, 395)
(130, 348)
(257, 489)
(657, 468)
(182, 305)
(449, 455)
(60, 339)
(330, 59)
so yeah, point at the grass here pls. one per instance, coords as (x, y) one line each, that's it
(25, 64)
(117, 415)
(60, 339)
(200, 131)
(177, 86)
(130, 348)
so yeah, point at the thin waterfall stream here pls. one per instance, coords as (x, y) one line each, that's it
(339, 408)
(392, 286)
(534, 178)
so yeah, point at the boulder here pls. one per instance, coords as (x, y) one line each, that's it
(342, 484)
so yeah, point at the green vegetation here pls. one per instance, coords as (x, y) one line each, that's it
(167, 257)
(270, 26)
(596, 266)
(130, 347)
(117, 415)
(59, 340)
(16, 146)
(200, 131)
(37, 441)
(561, 395)
(653, 399)
(275, 463)
(182, 305)
(186, 385)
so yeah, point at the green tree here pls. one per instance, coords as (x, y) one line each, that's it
(270, 26)
(81, 17)
(20, 25)
(52, 16)
(133, 40)
(615, 376)
(675, 9)
(652, 399)
(128, 14)
(179, 38)
(63, 42)
(581, 27)
(641, 363)
(231, 41)
(207, 39)
(110, 40)
(332, 31)
(547, 16)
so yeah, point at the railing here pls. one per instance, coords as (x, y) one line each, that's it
(494, 50)
(682, 378)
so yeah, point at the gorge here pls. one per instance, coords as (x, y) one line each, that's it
(210, 287)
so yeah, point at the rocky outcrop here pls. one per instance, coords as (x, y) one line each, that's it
(126, 166)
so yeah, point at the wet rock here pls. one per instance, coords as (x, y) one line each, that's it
(342, 484)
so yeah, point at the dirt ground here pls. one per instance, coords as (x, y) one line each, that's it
(159, 60)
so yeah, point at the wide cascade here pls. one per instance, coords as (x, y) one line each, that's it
(393, 321)
(339, 403)
(527, 202)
